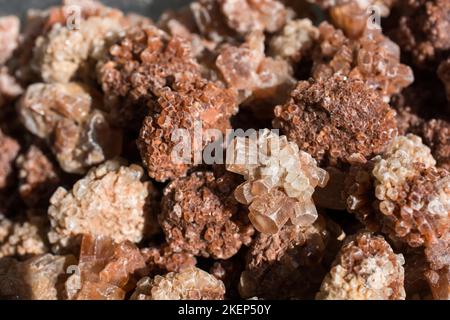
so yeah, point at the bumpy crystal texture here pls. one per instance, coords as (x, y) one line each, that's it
(410, 195)
(337, 121)
(229, 19)
(171, 138)
(38, 177)
(21, 238)
(291, 263)
(190, 284)
(366, 268)
(199, 215)
(111, 200)
(280, 180)
(162, 259)
(295, 40)
(436, 134)
(66, 116)
(138, 66)
(247, 68)
(421, 30)
(9, 88)
(60, 54)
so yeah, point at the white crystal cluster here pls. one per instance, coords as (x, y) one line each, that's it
(280, 180)
(375, 276)
(398, 164)
(189, 284)
(110, 201)
(296, 37)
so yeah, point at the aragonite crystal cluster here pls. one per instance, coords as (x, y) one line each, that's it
(366, 268)
(280, 180)
(190, 284)
(140, 157)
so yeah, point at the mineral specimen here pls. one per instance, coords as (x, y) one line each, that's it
(111, 200)
(421, 29)
(138, 66)
(411, 196)
(373, 58)
(171, 139)
(337, 121)
(247, 68)
(295, 40)
(9, 36)
(290, 263)
(105, 269)
(61, 53)
(163, 259)
(366, 268)
(38, 278)
(280, 180)
(190, 284)
(21, 238)
(66, 116)
(9, 148)
(199, 215)
(228, 19)
(95, 102)
(436, 134)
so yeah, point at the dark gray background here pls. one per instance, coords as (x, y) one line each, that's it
(149, 8)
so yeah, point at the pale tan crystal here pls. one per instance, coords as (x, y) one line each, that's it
(189, 284)
(110, 201)
(398, 163)
(280, 180)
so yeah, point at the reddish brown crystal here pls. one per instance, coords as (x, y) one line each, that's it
(190, 284)
(287, 264)
(438, 273)
(171, 138)
(67, 116)
(163, 259)
(105, 268)
(373, 58)
(139, 66)
(199, 215)
(436, 135)
(337, 120)
(421, 29)
(247, 68)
